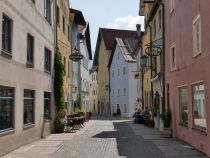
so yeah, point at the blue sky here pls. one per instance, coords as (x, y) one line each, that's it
(118, 14)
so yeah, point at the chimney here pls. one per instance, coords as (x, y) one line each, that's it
(138, 30)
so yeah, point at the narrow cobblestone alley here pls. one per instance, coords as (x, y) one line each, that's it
(120, 138)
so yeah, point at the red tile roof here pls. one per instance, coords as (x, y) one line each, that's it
(109, 36)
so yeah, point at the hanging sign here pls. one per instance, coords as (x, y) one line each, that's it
(76, 57)
(153, 51)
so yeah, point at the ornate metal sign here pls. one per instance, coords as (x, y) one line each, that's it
(153, 51)
(76, 56)
(154, 48)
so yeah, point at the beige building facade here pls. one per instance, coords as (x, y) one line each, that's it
(26, 66)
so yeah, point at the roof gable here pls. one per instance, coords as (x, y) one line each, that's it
(109, 36)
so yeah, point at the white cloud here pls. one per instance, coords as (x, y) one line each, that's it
(126, 23)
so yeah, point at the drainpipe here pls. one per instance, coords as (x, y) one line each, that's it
(163, 68)
(109, 94)
(151, 61)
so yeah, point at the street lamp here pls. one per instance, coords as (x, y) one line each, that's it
(143, 62)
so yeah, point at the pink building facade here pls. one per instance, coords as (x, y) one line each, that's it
(187, 57)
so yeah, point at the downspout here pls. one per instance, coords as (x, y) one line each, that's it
(151, 61)
(163, 24)
(142, 80)
(55, 23)
(109, 93)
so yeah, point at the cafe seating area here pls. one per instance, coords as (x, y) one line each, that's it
(76, 121)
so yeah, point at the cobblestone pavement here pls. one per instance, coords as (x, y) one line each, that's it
(104, 137)
(120, 138)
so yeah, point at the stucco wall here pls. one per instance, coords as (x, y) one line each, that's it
(189, 69)
(14, 72)
(65, 49)
(120, 82)
(93, 98)
(103, 77)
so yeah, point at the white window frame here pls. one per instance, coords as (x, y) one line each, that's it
(173, 63)
(197, 41)
(124, 91)
(125, 108)
(172, 5)
(181, 106)
(204, 129)
(124, 70)
(118, 92)
(118, 72)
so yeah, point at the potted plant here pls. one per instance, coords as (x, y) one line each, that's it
(60, 121)
(167, 131)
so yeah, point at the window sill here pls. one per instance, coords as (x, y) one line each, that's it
(29, 65)
(7, 132)
(49, 22)
(201, 131)
(197, 54)
(47, 120)
(184, 125)
(25, 127)
(48, 72)
(6, 54)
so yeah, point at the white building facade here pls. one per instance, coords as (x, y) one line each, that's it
(26, 66)
(123, 92)
(85, 49)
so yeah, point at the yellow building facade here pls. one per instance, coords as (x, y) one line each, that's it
(153, 85)
(63, 19)
(93, 81)
(103, 80)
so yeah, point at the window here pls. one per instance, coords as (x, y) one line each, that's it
(123, 70)
(28, 117)
(68, 68)
(160, 19)
(118, 92)
(118, 72)
(183, 105)
(112, 73)
(69, 33)
(30, 50)
(6, 108)
(154, 28)
(197, 35)
(58, 16)
(47, 60)
(124, 108)
(64, 64)
(7, 35)
(172, 5)
(112, 92)
(47, 105)
(64, 25)
(199, 111)
(173, 58)
(124, 91)
(154, 66)
(118, 55)
(47, 10)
